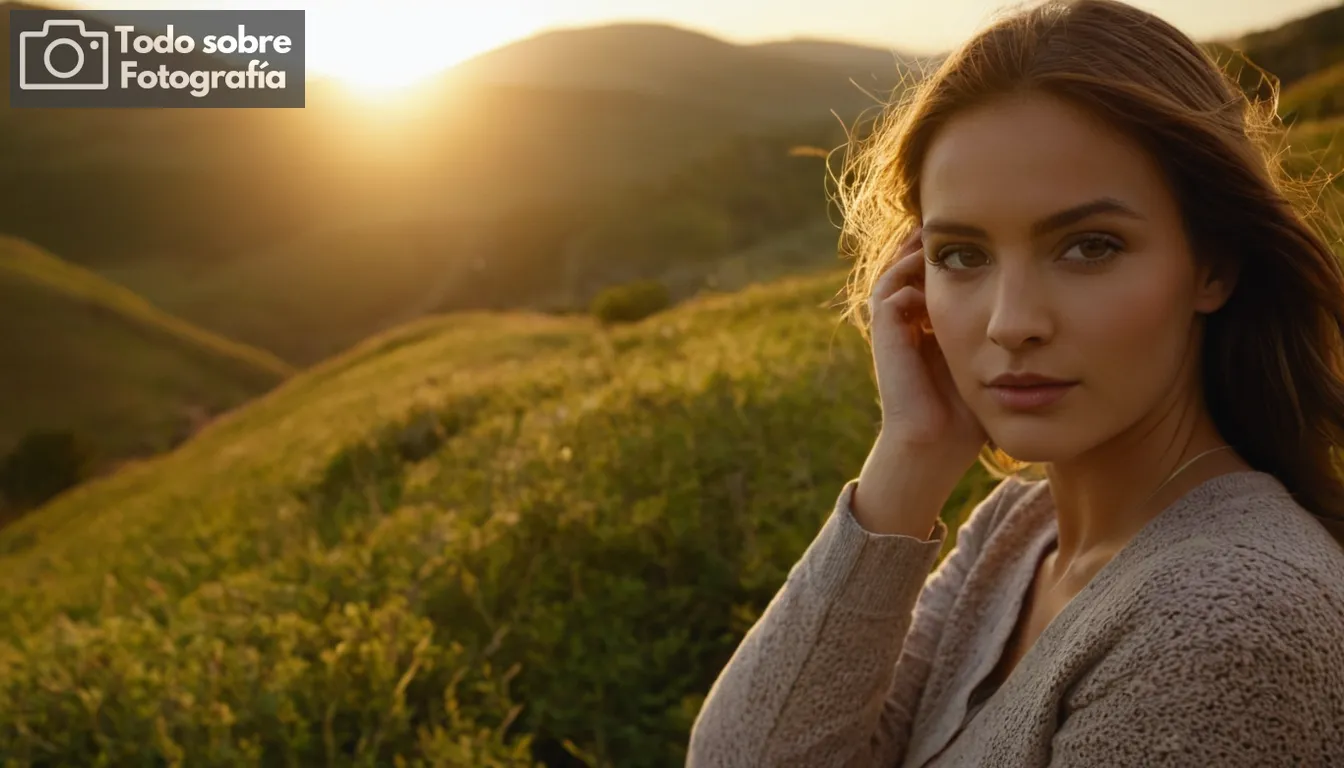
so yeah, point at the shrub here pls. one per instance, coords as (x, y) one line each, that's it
(630, 302)
(42, 465)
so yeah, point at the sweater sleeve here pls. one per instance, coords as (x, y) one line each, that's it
(811, 683)
(1234, 663)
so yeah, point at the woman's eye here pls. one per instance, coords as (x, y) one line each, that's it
(958, 258)
(1095, 248)
(1091, 250)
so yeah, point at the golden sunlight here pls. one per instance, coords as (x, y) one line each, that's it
(389, 47)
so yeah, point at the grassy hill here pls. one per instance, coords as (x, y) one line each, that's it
(311, 296)
(1318, 96)
(351, 216)
(84, 354)
(466, 515)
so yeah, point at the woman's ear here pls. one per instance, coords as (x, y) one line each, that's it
(1215, 286)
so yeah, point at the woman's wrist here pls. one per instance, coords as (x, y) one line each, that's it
(902, 490)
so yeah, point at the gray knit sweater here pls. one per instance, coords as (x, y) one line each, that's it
(1214, 638)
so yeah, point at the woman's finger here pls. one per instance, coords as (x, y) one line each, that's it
(906, 268)
(903, 312)
(909, 270)
(908, 302)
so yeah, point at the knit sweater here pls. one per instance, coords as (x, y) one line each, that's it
(1215, 637)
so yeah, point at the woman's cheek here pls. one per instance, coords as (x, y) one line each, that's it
(938, 321)
(1125, 330)
(953, 327)
(935, 300)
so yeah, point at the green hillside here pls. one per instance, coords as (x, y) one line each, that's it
(1315, 97)
(309, 297)
(83, 354)
(304, 580)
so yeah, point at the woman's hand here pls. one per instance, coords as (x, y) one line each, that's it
(921, 408)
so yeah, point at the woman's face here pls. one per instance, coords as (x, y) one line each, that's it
(1059, 251)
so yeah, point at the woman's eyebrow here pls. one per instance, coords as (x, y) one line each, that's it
(1050, 223)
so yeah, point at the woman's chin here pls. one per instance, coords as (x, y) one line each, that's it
(1031, 446)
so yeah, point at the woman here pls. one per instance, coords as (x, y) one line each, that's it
(1095, 274)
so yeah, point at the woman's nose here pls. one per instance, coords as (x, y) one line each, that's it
(1020, 314)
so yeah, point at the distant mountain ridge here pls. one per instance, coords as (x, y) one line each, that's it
(864, 63)
(783, 80)
(1298, 48)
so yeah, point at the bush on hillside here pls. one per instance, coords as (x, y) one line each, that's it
(43, 464)
(631, 301)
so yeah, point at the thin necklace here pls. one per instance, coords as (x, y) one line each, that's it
(1151, 495)
(1180, 469)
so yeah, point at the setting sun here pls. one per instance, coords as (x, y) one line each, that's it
(402, 44)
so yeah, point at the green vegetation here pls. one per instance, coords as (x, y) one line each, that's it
(630, 302)
(1317, 152)
(87, 356)
(307, 298)
(467, 515)
(1319, 96)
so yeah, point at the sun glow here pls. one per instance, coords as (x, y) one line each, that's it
(387, 47)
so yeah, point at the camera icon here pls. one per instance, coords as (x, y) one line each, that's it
(46, 67)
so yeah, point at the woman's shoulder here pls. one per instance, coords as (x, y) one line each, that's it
(1243, 552)
(1223, 624)
(1249, 520)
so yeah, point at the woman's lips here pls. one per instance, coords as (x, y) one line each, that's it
(1030, 398)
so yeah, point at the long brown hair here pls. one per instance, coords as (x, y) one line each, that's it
(1273, 355)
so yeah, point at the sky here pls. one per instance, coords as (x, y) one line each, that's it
(395, 42)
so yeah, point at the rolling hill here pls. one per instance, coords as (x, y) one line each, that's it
(84, 354)
(408, 200)
(541, 512)
(367, 276)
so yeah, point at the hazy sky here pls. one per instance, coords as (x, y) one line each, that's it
(410, 37)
